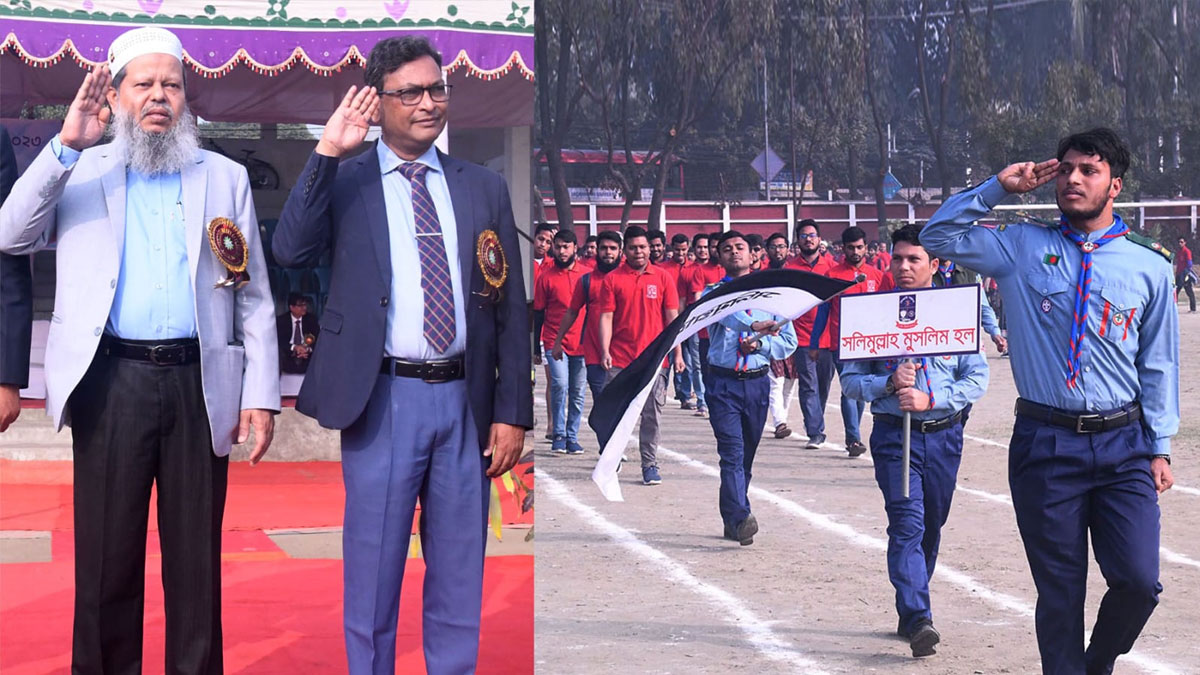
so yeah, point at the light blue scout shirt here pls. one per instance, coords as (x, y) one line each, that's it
(406, 311)
(955, 381)
(154, 298)
(1037, 267)
(725, 335)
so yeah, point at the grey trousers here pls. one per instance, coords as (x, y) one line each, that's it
(648, 427)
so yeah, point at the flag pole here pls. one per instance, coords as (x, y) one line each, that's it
(906, 457)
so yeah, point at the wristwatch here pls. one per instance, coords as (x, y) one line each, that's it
(1166, 457)
(890, 387)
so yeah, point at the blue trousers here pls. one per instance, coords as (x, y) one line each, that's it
(414, 441)
(694, 377)
(812, 387)
(1064, 485)
(567, 379)
(737, 411)
(701, 347)
(915, 524)
(852, 412)
(596, 377)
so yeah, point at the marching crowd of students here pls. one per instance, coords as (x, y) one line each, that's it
(598, 304)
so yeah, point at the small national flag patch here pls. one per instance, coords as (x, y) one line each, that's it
(1051, 259)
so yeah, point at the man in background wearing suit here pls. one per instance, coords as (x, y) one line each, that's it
(297, 330)
(424, 360)
(16, 306)
(155, 362)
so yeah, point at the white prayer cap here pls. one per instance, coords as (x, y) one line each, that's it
(140, 42)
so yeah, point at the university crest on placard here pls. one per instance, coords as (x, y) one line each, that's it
(908, 311)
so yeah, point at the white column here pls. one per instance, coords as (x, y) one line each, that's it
(518, 170)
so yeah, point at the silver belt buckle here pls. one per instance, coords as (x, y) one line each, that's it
(1081, 419)
(158, 352)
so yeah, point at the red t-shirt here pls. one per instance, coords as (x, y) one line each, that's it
(1183, 260)
(873, 280)
(882, 261)
(638, 301)
(704, 275)
(586, 264)
(804, 325)
(589, 317)
(552, 293)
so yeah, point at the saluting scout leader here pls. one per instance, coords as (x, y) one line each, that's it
(1094, 338)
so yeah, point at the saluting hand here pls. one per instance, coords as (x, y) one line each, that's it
(347, 127)
(1025, 176)
(88, 115)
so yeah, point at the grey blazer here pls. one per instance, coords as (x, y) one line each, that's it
(81, 211)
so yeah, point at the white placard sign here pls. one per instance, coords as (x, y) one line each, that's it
(910, 322)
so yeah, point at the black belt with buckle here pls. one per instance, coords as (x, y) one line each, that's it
(922, 426)
(429, 371)
(739, 374)
(159, 352)
(1081, 423)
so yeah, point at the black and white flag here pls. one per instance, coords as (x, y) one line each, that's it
(785, 293)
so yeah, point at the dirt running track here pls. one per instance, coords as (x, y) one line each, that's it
(650, 586)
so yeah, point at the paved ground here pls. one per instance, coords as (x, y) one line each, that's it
(649, 585)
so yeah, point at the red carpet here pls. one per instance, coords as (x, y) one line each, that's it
(280, 615)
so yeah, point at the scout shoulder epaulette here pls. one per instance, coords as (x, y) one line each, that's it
(1150, 244)
(1040, 221)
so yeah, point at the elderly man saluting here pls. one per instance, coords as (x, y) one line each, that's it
(161, 352)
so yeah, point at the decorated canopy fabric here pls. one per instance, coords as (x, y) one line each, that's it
(276, 60)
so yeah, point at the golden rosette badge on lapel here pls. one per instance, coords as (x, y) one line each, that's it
(229, 245)
(492, 263)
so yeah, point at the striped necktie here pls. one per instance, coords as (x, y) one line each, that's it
(435, 270)
(1083, 289)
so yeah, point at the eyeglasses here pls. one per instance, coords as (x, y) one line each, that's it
(810, 235)
(438, 93)
(779, 247)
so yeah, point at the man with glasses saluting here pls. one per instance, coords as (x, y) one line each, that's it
(425, 256)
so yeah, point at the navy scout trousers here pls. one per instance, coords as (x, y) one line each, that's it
(1065, 484)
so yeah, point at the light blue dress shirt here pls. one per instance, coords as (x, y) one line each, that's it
(1129, 353)
(154, 298)
(406, 311)
(955, 381)
(725, 335)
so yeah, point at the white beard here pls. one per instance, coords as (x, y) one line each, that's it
(151, 153)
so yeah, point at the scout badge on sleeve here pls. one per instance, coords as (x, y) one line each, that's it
(492, 263)
(230, 248)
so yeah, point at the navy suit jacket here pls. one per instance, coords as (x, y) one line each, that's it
(341, 208)
(16, 289)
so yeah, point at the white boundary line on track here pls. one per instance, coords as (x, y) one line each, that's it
(733, 610)
(965, 582)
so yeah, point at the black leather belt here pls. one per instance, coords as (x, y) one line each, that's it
(429, 371)
(1081, 423)
(159, 352)
(922, 426)
(739, 374)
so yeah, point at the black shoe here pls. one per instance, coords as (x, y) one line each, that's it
(900, 632)
(924, 638)
(745, 531)
(856, 448)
